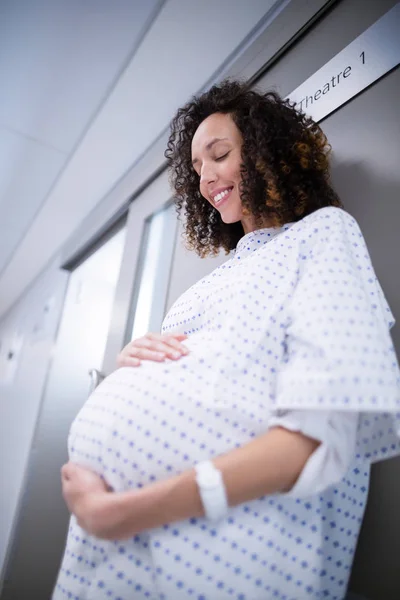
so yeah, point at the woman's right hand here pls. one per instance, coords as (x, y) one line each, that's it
(152, 346)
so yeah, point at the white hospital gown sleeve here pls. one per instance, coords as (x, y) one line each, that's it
(336, 431)
(338, 351)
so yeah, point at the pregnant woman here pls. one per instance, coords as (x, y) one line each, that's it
(229, 457)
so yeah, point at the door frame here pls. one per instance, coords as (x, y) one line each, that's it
(151, 200)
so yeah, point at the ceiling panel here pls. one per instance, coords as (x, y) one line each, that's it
(60, 58)
(22, 189)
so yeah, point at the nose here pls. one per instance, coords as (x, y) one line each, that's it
(207, 174)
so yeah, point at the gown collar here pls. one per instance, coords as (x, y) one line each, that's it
(256, 239)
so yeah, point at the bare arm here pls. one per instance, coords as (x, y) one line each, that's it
(269, 464)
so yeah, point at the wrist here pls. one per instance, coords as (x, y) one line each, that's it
(98, 514)
(168, 501)
(212, 491)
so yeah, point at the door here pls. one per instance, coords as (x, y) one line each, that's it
(42, 519)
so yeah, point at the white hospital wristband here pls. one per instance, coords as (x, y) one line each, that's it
(212, 490)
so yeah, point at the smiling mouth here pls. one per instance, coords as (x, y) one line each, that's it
(222, 197)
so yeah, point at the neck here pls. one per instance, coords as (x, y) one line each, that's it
(249, 224)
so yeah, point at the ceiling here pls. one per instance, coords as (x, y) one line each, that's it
(86, 88)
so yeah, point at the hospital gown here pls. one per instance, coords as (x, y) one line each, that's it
(293, 330)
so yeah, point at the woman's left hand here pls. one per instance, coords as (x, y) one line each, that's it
(90, 499)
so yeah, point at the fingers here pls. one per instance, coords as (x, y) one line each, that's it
(165, 336)
(157, 355)
(66, 471)
(127, 361)
(168, 344)
(174, 343)
(153, 347)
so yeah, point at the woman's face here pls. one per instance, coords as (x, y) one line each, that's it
(216, 158)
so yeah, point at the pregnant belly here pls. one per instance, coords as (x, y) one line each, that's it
(148, 423)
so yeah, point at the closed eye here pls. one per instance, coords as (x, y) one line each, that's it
(219, 158)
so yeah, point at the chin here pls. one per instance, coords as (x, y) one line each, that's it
(230, 219)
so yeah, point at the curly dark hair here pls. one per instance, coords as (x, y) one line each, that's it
(285, 168)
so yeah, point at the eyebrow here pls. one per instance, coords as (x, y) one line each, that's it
(209, 146)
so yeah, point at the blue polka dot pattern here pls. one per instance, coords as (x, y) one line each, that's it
(295, 320)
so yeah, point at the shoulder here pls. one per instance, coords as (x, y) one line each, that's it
(327, 225)
(330, 217)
